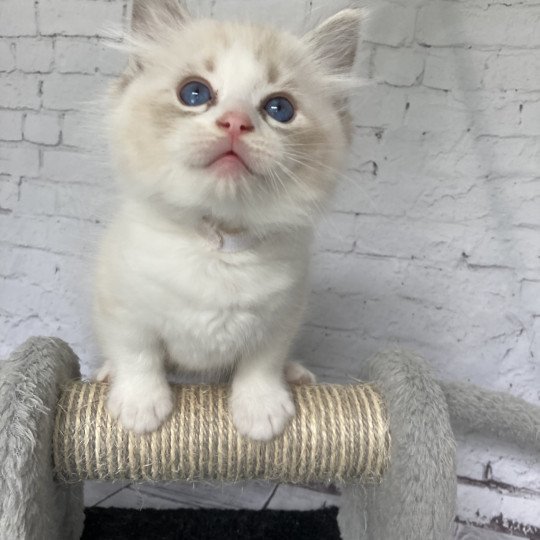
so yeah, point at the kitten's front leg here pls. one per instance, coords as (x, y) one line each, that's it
(139, 396)
(260, 403)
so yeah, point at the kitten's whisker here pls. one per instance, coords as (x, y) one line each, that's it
(317, 206)
(317, 165)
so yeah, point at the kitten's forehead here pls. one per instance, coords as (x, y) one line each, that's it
(239, 70)
(248, 53)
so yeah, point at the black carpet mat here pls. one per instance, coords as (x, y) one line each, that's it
(120, 523)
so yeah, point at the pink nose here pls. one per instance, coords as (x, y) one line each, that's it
(235, 123)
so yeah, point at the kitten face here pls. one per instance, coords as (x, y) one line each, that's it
(240, 122)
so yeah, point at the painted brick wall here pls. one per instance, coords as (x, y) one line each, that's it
(433, 242)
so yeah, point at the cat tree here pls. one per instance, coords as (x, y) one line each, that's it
(57, 434)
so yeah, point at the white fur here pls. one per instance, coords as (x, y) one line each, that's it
(164, 293)
(164, 285)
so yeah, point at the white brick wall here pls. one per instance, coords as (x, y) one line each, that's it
(433, 242)
(10, 125)
(34, 55)
(78, 18)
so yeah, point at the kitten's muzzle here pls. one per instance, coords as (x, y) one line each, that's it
(235, 124)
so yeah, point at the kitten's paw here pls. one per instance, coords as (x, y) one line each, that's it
(103, 374)
(261, 415)
(296, 373)
(140, 409)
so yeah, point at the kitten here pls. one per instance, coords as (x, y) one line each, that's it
(226, 138)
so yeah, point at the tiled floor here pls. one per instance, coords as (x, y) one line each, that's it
(254, 495)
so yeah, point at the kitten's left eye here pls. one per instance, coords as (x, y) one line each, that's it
(195, 93)
(280, 109)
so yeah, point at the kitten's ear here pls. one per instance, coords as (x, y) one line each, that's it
(149, 16)
(335, 40)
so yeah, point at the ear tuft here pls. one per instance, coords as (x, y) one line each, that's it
(335, 40)
(149, 16)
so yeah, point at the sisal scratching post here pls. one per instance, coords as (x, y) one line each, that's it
(339, 433)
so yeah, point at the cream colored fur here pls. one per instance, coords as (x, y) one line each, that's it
(163, 292)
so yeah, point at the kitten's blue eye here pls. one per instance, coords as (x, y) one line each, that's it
(280, 109)
(195, 93)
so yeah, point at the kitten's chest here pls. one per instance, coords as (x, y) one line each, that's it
(209, 280)
(210, 306)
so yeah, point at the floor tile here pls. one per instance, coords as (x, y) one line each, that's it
(94, 491)
(469, 532)
(288, 497)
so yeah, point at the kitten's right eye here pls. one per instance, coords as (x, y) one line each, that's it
(195, 93)
(280, 109)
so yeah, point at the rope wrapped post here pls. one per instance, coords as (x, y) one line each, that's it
(339, 433)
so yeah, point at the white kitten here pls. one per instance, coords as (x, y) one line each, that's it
(226, 137)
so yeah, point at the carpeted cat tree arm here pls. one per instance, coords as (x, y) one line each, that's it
(57, 433)
(32, 503)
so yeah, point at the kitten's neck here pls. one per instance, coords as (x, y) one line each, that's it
(228, 239)
(219, 234)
